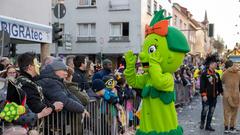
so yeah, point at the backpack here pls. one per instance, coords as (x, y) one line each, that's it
(13, 102)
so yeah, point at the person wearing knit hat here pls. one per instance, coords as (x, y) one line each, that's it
(98, 85)
(51, 80)
(58, 65)
(107, 64)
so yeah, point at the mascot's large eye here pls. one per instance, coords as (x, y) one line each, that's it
(152, 49)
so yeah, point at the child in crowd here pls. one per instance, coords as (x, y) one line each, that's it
(106, 89)
(126, 96)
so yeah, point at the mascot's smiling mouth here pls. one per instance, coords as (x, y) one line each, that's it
(145, 65)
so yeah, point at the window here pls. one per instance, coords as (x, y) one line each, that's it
(169, 14)
(180, 24)
(165, 12)
(175, 20)
(87, 32)
(116, 29)
(87, 2)
(155, 6)
(149, 6)
(160, 7)
(119, 32)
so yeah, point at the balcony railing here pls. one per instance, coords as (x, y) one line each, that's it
(86, 39)
(119, 39)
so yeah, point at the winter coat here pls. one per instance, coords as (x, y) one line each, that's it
(231, 82)
(35, 99)
(124, 93)
(81, 95)
(55, 90)
(210, 84)
(100, 74)
(81, 78)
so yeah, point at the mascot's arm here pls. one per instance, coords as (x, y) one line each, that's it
(161, 81)
(134, 80)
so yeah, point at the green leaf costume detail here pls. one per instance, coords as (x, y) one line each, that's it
(12, 111)
(161, 56)
(165, 97)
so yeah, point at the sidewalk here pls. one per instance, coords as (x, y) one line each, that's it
(189, 118)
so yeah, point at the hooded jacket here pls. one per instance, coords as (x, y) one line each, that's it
(55, 90)
(231, 82)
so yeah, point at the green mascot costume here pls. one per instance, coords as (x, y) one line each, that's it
(162, 53)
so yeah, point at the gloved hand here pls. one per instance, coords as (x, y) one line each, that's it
(155, 58)
(130, 59)
(204, 98)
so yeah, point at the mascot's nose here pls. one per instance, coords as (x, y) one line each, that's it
(142, 55)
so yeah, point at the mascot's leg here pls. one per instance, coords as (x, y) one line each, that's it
(226, 112)
(233, 119)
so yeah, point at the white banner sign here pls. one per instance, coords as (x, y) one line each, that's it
(24, 30)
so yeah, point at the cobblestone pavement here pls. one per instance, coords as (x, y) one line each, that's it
(189, 118)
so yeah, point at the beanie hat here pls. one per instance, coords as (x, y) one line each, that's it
(97, 85)
(106, 61)
(58, 65)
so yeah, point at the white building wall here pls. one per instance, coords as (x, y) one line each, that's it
(102, 16)
(137, 17)
(37, 11)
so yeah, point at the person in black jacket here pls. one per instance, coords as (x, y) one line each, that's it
(80, 76)
(51, 79)
(29, 70)
(210, 88)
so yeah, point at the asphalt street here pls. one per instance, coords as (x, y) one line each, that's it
(189, 118)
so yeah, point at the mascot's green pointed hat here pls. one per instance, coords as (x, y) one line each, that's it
(175, 38)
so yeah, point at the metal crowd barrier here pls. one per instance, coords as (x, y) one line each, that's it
(103, 120)
(183, 93)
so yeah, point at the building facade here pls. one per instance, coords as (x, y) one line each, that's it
(107, 27)
(182, 19)
(27, 22)
(196, 32)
